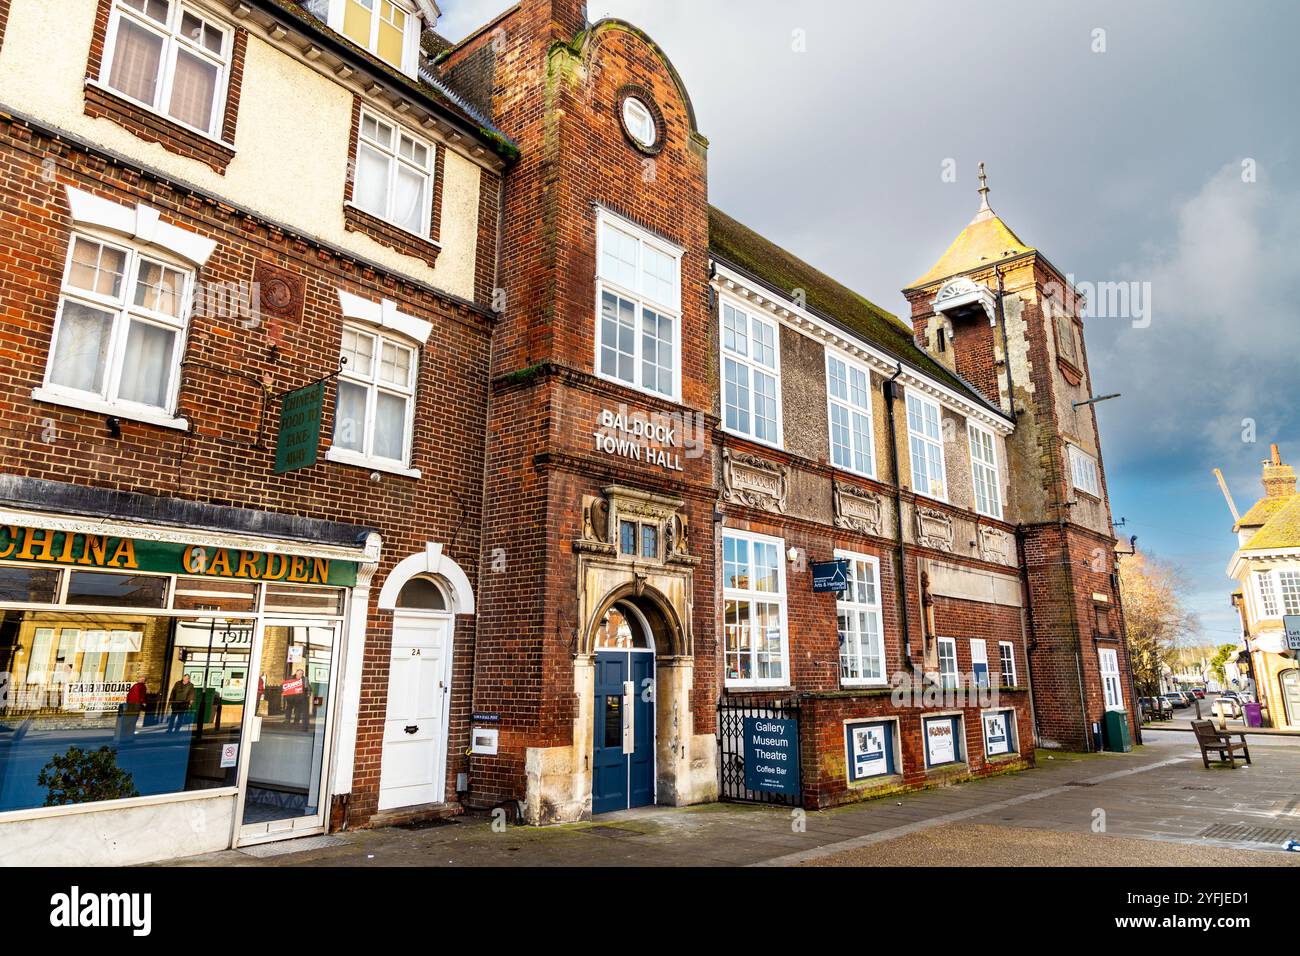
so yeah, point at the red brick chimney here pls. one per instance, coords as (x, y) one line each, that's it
(1279, 479)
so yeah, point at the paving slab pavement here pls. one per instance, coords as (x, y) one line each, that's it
(1159, 794)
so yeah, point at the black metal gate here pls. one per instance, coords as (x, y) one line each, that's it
(732, 712)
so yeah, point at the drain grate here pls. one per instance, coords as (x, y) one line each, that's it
(1206, 789)
(1240, 833)
(300, 845)
(1080, 783)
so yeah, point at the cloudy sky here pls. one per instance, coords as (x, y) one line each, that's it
(1154, 143)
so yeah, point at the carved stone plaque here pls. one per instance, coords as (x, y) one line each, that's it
(995, 545)
(858, 509)
(753, 481)
(933, 529)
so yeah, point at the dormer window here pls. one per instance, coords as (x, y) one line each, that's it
(387, 28)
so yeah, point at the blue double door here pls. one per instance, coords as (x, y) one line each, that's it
(625, 721)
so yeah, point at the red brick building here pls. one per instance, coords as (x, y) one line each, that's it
(468, 457)
(246, 392)
(805, 425)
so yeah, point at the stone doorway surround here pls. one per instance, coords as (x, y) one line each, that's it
(661, 588)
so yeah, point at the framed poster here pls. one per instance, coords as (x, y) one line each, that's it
(870, 749)
(941, 745)
(999, 732)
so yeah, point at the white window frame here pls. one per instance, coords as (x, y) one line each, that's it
(172, 42)
(410, 35)
(1085, 475)
(1007, 663)
(850, 409)
(1276, 599)
(1285, 593)
(746, 360)
(1267, 591)
(951, 644)
(373, 386)
(644, 122)
(984, 472)
(640, 300)
(124, 310)
(855, 607)
(393, 153)
(754, 596)
(1108, 667)
(980, 645)
(923, 403)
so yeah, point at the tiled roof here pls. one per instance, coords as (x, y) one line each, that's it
(984, 241)
(740, 246)
(306, 13)
(1282, 530)
(1260, 512)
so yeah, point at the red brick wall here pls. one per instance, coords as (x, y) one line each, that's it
(824, 760)
(545, 397)
(232, 369)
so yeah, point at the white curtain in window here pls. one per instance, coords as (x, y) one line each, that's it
(146, 364)
(136, 60)
(371, 190)
(350, 417)
(390, 427)
(194, 87)
(82, 349)
(408, 200)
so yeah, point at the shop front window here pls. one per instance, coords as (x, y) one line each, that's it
(108, 706)
(122, 684)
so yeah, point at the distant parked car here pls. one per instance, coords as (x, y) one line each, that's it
(1198, 692)
(1157, 708)
(1176, 700)
(1189, 696)
(1229, 705)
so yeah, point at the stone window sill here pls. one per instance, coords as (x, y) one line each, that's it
(154, 127)
(342, 456)
(394, 237)
(88, 403)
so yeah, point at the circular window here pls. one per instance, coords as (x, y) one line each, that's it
(639, 122)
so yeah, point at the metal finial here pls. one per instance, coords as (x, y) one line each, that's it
(984, 188)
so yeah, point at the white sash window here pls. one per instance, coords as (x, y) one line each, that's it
(169, 57)
(120, 328)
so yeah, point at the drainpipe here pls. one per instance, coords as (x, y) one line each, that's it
(889, 389)
(1078, 634)
(1027, 618)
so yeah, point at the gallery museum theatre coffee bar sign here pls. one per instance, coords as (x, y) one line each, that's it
(167, 690)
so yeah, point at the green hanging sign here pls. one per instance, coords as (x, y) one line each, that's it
(299, 434)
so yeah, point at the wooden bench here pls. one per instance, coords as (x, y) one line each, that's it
(1211, 738)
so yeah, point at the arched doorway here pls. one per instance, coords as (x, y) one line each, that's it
(623, 750)
(414, 765)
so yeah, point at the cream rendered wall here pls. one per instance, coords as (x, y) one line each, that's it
(291, 143)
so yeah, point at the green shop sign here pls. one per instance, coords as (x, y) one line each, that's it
(44, 546)
(299, 434)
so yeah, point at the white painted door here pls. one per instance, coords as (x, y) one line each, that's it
(415, 728)
(1110, 678)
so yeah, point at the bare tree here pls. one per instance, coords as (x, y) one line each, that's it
(1155, 616)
